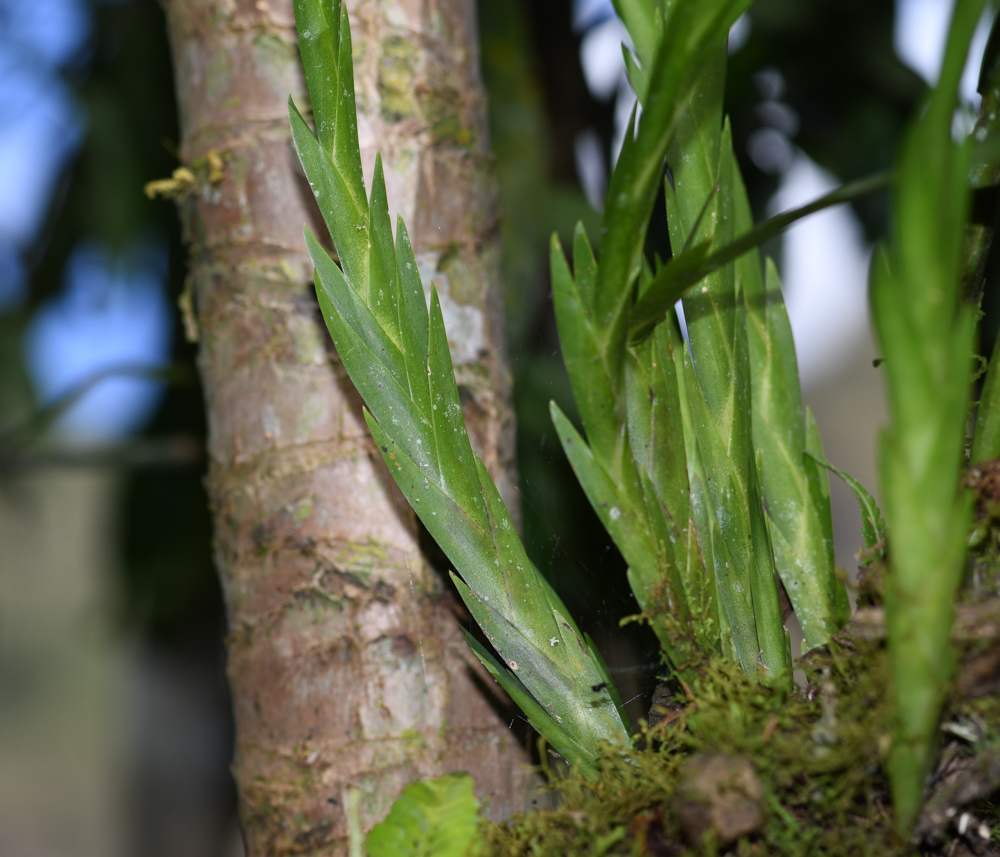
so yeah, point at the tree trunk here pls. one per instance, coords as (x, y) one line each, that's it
(346, 663)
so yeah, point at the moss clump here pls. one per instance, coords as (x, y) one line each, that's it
(983, 576)
(817, 751)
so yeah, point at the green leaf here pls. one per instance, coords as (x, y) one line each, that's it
(872, 525)
(926, 332)
(344, 213)
(592, 379)
(624, 520)
(657, 444)
(644, 21)
(395, 351)
(718, 385)
(543, 721)
(691, 32)
(333, 162)
(694, 263)
(736, 563)
(572, 677)
(431, 818)
(796, 491)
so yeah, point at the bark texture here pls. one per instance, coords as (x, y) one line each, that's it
(345, 660)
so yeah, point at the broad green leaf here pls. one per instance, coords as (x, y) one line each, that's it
(431, 818)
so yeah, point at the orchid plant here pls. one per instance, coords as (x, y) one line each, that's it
(695, 449)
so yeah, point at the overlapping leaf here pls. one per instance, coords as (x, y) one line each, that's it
(696, 262)
(396, 353)
(691, 31)
(795, 487)
(660, 499)
(651, 528)
(704, 168)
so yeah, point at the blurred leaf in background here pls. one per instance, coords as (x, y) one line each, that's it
(90, 274)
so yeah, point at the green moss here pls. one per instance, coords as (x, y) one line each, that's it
(818, 754)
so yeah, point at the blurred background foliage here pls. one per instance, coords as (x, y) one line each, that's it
(819, 77)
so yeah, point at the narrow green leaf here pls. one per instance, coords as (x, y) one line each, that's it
(715, 323)
(626, 524)
(797, 492)
(590, 376)
(355, 313)
(718, 388)
(775, 656)
(344, 213)
(413, 322)
(872, 525)
(636, 75)
(694, 264)
(644, 22)
(459, 464)
(693, 31)
(705, 548)
(571, 688)
(735, 562)
(325, 45)
(382, 290)
(819, 483)
(542, 721)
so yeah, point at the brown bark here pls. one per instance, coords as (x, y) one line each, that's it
(346, 663)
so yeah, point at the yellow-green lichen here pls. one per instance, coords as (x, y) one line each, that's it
(396, 70)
